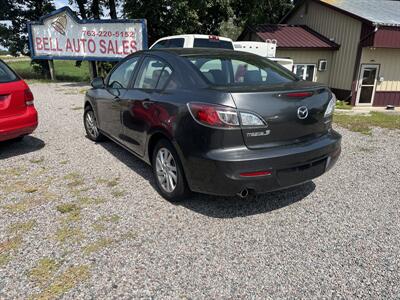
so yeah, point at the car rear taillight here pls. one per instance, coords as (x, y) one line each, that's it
(223, 116)
(299, 94)
(214, 115)
(331, 106)
(256, 174)
(28, 97)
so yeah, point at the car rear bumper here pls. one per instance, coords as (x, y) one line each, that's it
(218, 172)
(16, 126)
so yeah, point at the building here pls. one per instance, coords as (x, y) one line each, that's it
(351, 45)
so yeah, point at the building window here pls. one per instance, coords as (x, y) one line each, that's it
(305, 71)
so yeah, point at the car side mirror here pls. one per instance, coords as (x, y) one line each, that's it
(98, 83)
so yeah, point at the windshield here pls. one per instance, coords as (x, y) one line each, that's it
(240, 70)
(6, 75)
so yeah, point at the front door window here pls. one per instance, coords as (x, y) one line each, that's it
(305, 71)
(367, 84)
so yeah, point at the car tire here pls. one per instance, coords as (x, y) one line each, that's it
(90, 123)
(169, 170)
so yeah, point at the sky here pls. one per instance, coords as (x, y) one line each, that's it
(60, 3)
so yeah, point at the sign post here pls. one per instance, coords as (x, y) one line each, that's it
(51, 68)
(61, 35)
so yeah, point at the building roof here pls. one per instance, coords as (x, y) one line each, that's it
(379, 12)
(292, 36)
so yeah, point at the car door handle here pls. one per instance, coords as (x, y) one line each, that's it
(147, 103)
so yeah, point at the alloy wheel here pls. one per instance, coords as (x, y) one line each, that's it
(91, 125)
(167, 174)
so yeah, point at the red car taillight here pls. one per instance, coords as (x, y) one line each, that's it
(214, 115)
(28, 97)
(299, 94)
(255, 174)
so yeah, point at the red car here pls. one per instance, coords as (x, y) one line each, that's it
(18, 116)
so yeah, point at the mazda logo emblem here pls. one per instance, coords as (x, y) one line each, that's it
(302, 112)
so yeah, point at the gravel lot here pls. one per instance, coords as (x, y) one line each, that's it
(83, 220)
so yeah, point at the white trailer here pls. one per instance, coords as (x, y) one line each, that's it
(264, 49)
(260, 48)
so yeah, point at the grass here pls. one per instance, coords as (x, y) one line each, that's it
(343, 105)
(84, 200)
(25, 204)
(7, 247)
(44, 271)
(73, 217)
(30, 190)
(113, 182)
(67, 208)
(37, 160)
(364, 123)
(117, 193)
(97, 246)
(65, 70)
(99, 227)
(22, 227)
(18, 207)
(64, 282)
(110, 219)
(75, 179)
(99, 224)
(67, 232)
(109, 183)
(13, 172)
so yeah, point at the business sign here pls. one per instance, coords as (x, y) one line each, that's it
(61, 35)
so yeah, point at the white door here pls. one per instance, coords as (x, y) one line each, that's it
(367, 84)
(305, 71)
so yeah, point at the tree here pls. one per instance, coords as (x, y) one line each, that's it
(82, 7)
(253, 12)
(19, 12)
(169, 17)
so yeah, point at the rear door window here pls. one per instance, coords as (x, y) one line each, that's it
(121, 77)
(176, 43)
(212, 43)
(6, 75)
(154, 74)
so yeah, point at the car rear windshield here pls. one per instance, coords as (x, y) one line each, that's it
(6, 75)
(240, 71)
(212, 43)
(170, 43)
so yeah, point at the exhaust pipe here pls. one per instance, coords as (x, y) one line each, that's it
(243, 193)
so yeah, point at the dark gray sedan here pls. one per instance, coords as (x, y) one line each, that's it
(215, 121)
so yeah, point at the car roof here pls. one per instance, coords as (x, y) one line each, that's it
(198, 51)
(198, 36)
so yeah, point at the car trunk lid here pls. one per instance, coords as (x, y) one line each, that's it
(294, 112)
(12, 98)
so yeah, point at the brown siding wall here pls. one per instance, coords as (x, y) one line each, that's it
(387, 98)
(344, 29)
(389, 61)
(310, 57)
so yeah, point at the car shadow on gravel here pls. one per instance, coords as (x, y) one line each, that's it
(233, 207)
(213, 206)
(130, 160)
(14, 147)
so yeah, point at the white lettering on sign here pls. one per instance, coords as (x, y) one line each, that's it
(61, 35)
